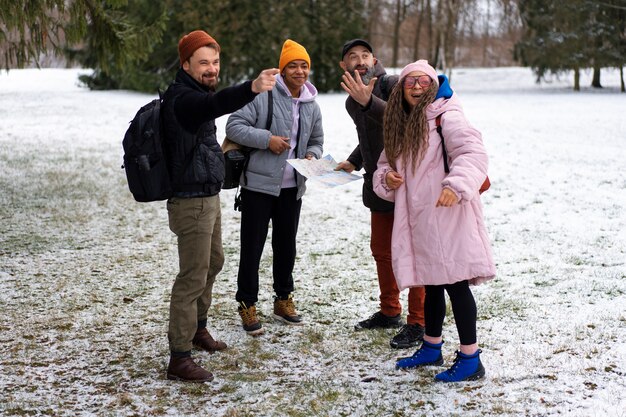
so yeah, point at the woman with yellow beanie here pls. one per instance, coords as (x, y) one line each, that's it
(271, 188)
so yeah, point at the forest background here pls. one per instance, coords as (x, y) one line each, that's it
(132, 44)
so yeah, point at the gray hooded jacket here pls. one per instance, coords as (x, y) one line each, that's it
(247, 127)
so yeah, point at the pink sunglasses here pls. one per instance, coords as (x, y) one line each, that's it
(410, 81)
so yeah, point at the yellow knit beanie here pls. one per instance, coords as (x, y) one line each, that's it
(292, 51)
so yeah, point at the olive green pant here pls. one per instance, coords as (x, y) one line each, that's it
(197, 222)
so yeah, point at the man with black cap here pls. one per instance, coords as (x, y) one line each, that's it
(369, 86)
(196, 167)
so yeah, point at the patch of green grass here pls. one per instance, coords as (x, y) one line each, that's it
(248, 376)
(313, 336)
(500, 304)
(239, 412)
(32, 243)
(194, 390)
(575, 260)
(501, 408)
(319, 398)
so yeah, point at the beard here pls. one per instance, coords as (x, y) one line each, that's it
(365, 77)
(210, 84)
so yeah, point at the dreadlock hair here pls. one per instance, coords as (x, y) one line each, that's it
(406, 129)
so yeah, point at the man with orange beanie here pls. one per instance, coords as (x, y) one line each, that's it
(196, 168)
(272, 189)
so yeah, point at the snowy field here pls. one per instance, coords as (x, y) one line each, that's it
(86, 272)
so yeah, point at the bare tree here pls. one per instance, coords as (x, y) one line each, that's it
(399, 17)
(420, 5)
(446, 32)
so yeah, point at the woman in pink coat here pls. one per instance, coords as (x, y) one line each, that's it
(439, 239)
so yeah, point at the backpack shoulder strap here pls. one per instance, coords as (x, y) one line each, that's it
(384, 87)
(443, 144)
(486, 184)
(270, 109)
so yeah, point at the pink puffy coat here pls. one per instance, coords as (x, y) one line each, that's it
(440, 245)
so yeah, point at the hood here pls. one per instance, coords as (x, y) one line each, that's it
(379, 69)
(445, 90)
(445, 99)
(442, 105)
(308, 92)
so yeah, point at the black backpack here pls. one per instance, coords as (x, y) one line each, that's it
(144, 157)
(385, 89)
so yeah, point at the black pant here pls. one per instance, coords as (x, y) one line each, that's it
(257, 211)
(463, 308)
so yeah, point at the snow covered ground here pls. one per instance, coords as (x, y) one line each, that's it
(86, 272)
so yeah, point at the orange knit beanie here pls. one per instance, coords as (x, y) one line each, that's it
(292, 51)
(189, 43)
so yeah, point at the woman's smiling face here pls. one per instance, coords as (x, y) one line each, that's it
(414, 85)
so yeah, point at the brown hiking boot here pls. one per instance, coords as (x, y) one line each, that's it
(249, 320)
(185, 369)
(285, 311)
(205, 341)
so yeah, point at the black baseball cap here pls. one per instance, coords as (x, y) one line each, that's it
(354, 42)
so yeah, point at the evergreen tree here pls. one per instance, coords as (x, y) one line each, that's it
(552, 42)
(250, 33)
(331, 24)
(30, 29)
(115, 66)
(570, 36)
(611, 38)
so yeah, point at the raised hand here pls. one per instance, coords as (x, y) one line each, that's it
(354, 86)
(265, 81)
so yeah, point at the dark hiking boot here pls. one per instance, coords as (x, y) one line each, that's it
(379, 321)
(205, 341)
(410, 335)
(428, 354)
(464, 368)
(249, 320)
(185, 369)
(285, 310)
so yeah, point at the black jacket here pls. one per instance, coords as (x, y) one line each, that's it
(370, 132)
(195, 158)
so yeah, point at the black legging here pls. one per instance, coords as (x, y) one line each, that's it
(463, 308)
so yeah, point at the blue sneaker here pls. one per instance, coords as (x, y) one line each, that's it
(464, 368)
(427, 354)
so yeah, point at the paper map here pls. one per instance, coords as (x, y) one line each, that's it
(322, 171)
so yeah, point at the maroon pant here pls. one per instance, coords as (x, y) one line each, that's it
(382, 225)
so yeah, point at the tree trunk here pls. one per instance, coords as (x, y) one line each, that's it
(371, 12)
(418, 30)
(396, 34)
(438, 34)
(621, 78)
(576, 79)
(454, 38)
(596, 78)
(431, 35)
(486, 34)
(449, 38)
